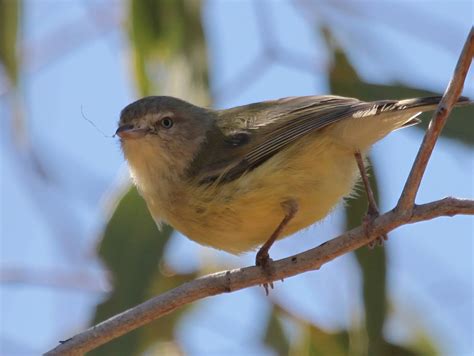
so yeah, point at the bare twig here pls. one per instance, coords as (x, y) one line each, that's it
(406, 212)
(450, 97)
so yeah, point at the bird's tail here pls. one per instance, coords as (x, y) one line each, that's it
(428, 103)
(371, 121)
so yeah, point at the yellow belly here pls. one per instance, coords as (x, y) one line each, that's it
(241, 215)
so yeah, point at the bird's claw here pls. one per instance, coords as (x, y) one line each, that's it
(264, 261)
(367, 223)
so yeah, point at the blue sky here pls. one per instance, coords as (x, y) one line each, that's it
(49, 228)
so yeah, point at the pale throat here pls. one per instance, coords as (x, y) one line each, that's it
(152, 171)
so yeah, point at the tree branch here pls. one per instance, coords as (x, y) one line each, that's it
(440, 116)
(406, 212)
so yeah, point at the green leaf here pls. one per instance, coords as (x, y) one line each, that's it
(132, 249)
(9, 23)
(345, 81)
(314, 341)
(422, 345)
(309, 339)
(275, 336)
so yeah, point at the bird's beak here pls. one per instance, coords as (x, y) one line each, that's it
(130, 132)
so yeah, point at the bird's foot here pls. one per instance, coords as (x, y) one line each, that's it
(367, 223)
(264, 261)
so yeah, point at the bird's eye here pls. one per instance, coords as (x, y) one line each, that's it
(166, 122)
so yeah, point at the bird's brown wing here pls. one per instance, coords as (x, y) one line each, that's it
(254, 133)
(251, 134)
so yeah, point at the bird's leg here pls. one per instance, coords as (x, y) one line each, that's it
(263, 258)
(372, 211)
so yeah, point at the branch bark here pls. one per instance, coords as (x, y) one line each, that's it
(406, 212)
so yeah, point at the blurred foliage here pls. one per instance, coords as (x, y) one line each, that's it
(316, 342)
(275, 336)
(9, 23)
(310, 340)
(132, 248)
(168, 35)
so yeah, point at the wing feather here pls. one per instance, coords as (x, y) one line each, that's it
(273, 125)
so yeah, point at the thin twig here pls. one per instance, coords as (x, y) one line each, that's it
(234, 280)
(450, 97)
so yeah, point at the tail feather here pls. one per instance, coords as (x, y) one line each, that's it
(428, 103)
(413, 121)
(382, 117)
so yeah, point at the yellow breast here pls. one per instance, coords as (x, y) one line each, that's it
(241, 215)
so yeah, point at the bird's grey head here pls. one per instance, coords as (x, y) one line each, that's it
(162, 128)
(162, 116)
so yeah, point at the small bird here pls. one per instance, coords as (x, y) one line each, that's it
(240, 178)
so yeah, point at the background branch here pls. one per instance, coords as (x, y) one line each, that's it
(228, 281)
